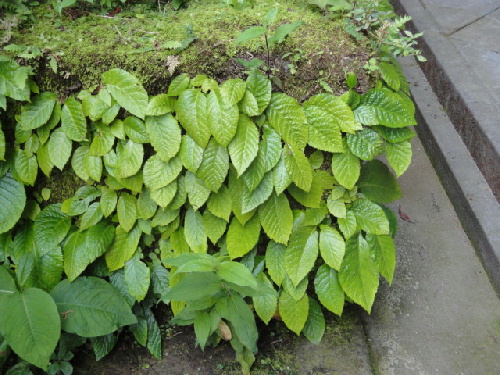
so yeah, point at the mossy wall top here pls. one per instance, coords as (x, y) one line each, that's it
(138, 39)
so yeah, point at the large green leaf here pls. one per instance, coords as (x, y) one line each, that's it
(282, 178)
(385, 254)
(51, 226)
(346, 168)
(236, 273)
(137, 277)
(294, 313)
(129, 158)
(339, 113)
(314, 328)
(197, 191)
(244, 146)
(178, 85)
(102, 141)
(191, 109)
(31, 326)
(215, 165)
(73, 120)
(159, 173)
(214, 226)
(127, 211)
(358, 274)
(91, 216)
(240, 239)
(126, 90)
(248, 105)
(331, 246)
(160, 105)
(399, 156)
(136, 130)
(252, 200)
(324, 130)
(242, 319)
(328, 289)
(220, 203)
(25, 167)
(250, 33)
(12, 201)
(194, 231)
(59, 148)
(191, 154)
(275, 261)
(297, 165)
(366, 144)
(370, 217)
(301, 253)
(194, 286)
(267, 304)
(287, 117)
(108, 201)
(164, 195)
(91, 307)
(164, 134)
(7, 283)
(260, 87)
(238, 190)
(38, 112)
(384, 107)
(394, 135)
(276, 218)
(82, 248)
(123, 247)
(390, 75)
(377, 182)
(232, 91)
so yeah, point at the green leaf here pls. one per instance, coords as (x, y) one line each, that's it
(248, 104)
(91, 216)
(220, 203)
(299, 168)
(237, 190)
(242, 319)
(73, 120)
(154, 334)
(383, 107)
(91, 307)
(127, 211)
(314, 329)
(129, 158)
(108, 202)
(265, 305)
(275, 262)
(8, 285)
(324, 130)
(366, 144)
(12, 202)
(339, 112)
(25, 167)
(370, 217)
(240, 239)
(202, 325)
(126, 90)
(164, 217)
(82, 248)
(348, 225)
(123, 247)
(214, 226)
(137, 277)
(37, 112)
(30, 324)
(250, 33)
(328, 289)
(336, 207)
(282, 178)
(296, 292)
(59, 148)
(146, 207)
(260, 87)
(195, 286)
(224, 130)
(164, 134)
(164, 195)
(294, 313)
(93, 166)
(244, 146)
(358, 275)
(191, 110)
(190, 154)
(159, 173)
(258, 196)
(77, 162)
(346, 168)
(215, 165)
(282, 32)
(287, 117)
(178, 85)
(301, 253)
(385, 254)
(197, 191)
(102, 345)
(236, 273)
(399, 156)
(390, 75)
(102, 141)
(276, 218)
(160, 105)
(136, 130)
(313, 198)
(194, 231)
(377, 183)
(331, 246)
(394, 135)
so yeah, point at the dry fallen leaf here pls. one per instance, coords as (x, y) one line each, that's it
(225, 331)
(404, 216)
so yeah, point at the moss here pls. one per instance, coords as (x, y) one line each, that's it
(135, 40)
(62, 185)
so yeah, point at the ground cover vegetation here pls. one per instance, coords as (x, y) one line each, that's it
(225, 198)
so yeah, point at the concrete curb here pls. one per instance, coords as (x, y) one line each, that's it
(464, 147)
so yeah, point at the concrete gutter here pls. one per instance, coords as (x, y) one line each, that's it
(461, 134)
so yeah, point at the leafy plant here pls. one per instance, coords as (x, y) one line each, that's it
(251, 198)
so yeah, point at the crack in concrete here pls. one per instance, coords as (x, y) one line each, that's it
(471, 22)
